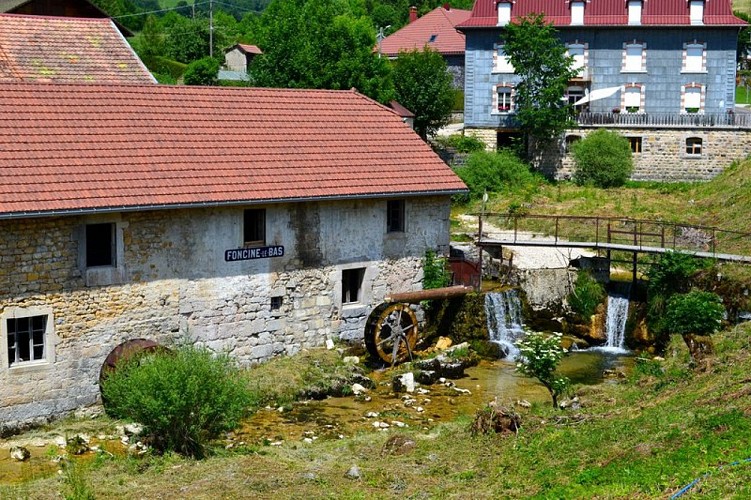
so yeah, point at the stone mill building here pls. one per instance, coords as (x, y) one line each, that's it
(254, 221)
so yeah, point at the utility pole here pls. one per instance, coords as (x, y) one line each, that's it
(380, 36)
(211, 28)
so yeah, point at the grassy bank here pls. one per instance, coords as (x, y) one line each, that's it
(645, 437)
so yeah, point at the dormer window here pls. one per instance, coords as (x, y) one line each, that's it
(696, 11)
(577, 13)
(504, 12)
(634, 12)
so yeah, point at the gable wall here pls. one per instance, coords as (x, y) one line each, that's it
(175, 284)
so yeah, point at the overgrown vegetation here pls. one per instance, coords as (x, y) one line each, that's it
(541, 353)
(185, 398)
(586, 295)
(435, 271)
(461, 143)
(497, 172)
(603, 159)
(694, 312)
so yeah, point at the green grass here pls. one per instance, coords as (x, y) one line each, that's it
(645, 437)
(742, 95)
(742, 6)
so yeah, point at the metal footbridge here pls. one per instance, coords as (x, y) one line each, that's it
(613, 234)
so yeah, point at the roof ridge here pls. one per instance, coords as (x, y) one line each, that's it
(57, 18)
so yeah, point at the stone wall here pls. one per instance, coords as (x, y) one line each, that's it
(172, 284)
(663, 156)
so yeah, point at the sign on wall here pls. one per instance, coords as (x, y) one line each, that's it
(253, 253)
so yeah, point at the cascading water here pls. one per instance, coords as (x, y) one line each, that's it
(615, 324)
(503, 310)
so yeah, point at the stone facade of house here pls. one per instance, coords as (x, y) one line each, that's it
(172, 282)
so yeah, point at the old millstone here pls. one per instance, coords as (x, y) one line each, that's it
(20, 454)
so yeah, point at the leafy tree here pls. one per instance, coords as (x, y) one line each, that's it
(202, 72)
(187, 39)
(320, 44)
(184, 398)
(603, 158)
(694, 312)
(544, 70)
(493, 172)
(150, 43)
(423, 85)
(541, 354)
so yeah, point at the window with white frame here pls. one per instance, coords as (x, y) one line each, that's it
(501, 62)
(634, 57)
(504, 13)
(694, 58)
(503, 99)
(692, 98)
(577, 13)
(634, 11)
(579, 52)
(27, 336)
(696, 11)
(693, 146)
(632, 98)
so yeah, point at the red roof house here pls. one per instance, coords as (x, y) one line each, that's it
(66, 49)
(436, 30)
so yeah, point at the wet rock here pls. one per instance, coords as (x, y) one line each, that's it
(404, 383)
(20, 454)
(426, 377)
(353, 473)
(398, 445)
(442, 367)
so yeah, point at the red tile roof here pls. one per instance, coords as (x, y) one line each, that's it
(249, 49)
(65, 49)
(439, 22)
(605, 13)
(74, 147)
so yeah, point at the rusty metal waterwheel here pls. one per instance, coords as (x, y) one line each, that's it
(391, 332)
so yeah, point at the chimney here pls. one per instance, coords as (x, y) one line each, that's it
(412, 14)
(447, 6)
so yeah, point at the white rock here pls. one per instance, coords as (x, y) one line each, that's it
(307, 440)
(133, 429)
(329, 344)
(353, 472)
(371, 414)
(351, 360)
(398, 423)
(420, 409)
(408, 381)
(420, 390)
(19, 454)
(462, 391)
(358, 389)
(60, 441)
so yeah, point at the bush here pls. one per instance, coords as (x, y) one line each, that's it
(586, 295)
(202, 72)
(495, 172)
(541, 353)
(462, 143)
(695, 312)
(603, 159)
(435, 273)
(671, 273)
(184, 398)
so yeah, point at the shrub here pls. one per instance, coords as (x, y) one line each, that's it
(435, 273)
(671, 273)
(463, 143)
(603, 159)
(541, 353)
(202, 72)
(495, 172)
(184, 398)
(586, 295)
(695, 312)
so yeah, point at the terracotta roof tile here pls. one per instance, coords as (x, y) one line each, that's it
(63, 49)
(69, 147)
(435, 29)
(606, 13)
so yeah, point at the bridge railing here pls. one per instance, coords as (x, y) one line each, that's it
(615, 231)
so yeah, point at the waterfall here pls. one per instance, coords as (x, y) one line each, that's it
(503, 311)
(615, 324)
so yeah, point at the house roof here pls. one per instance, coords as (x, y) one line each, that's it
(65, 8)
(70, 148)
(435, 29)
(605, 13)
(249, 49)
(66, 49)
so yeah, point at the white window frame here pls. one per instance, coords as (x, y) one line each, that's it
(634, 12)
(696, 12)
(579, 65)
(697, 91)
(627, 101)
(700, 147)
(694, 64)
(630, 62)
(504, 13)
(577, 13)
(50, 339)
(501, 62)
(510, 94)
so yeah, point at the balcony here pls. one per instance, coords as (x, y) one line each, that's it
(664, 120)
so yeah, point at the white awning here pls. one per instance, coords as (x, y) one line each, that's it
(598, 94)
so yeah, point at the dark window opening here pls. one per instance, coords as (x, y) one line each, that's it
(276, 303)
(395, 216)
(635, 143)
(570, 140)
(100, 244)
(26, 339)
(432, 38)
(254, 227)
(693, 145)
(352, 285)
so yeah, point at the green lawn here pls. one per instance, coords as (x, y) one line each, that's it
(743, 95)
(742, 6)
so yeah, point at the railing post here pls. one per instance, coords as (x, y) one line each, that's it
(516, 226)
(557, 219)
